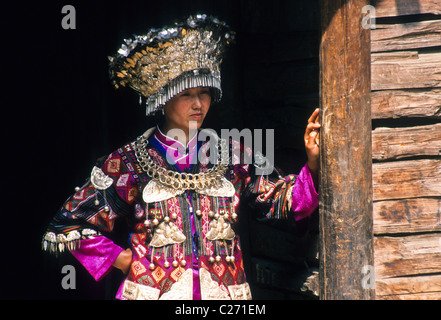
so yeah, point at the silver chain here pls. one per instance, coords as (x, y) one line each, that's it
(180, 180)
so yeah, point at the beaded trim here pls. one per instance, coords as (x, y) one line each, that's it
(188, 80)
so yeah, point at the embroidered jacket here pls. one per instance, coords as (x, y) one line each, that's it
(185, 246)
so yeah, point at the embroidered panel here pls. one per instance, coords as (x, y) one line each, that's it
(204, 221)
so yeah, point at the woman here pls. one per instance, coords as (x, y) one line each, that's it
(178, 191)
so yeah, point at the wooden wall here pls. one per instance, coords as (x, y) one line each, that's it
(406, 113)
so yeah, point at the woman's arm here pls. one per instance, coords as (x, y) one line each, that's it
(123, 261)
(98, 255)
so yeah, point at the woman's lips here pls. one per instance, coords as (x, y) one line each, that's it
(196, 116)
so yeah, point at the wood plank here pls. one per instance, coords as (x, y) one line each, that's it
(407, 256)
(394, 55)
(407, 216)
(416, 296)
(405, 36)
(424, 72)
(346, 191)
(392, 8)
(399, 143)
(406, 179)
(406, 104)
(409, 288)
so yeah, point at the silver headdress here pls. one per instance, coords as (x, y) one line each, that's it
(165, 62)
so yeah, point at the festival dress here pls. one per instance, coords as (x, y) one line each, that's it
(185, 247)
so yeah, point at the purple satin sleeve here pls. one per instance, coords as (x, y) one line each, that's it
(97, 255)
(305, 198)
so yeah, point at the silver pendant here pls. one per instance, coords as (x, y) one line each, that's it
(166, 234)
(220, 230)
(99, 179)
(224, 189)
(155, 192)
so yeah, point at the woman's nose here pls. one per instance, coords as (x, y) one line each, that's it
(197, 103)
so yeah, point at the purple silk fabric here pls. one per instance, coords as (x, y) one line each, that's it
(305, 198)
(97, 255)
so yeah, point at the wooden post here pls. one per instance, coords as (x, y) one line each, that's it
(346, 227)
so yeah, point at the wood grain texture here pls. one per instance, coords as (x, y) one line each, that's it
(407, 193)
(424, 72)
(393, 104)
(408, 255)
(393, 8)
(393, 55)
(399, 143)
(407, 216)
(406, 36)
(406, 179)
(346, 160)
(409, 288)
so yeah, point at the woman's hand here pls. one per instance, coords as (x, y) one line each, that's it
(312, 143)
(124, 261)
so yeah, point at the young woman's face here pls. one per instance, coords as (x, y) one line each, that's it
(190, 105)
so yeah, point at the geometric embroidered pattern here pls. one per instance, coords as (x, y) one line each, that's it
(219, 269)
(104, 220)
(158, 274)
(113, 165)
(177, 273)
(166, 285)
(147, 281)
(138, 268)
